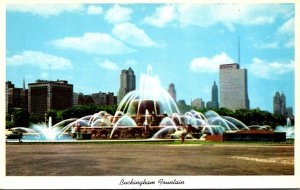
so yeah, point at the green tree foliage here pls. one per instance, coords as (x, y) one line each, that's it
(37, 118)
(183, 108)
(83, 110)
(20, 118)
(252, 116)
(55, 115)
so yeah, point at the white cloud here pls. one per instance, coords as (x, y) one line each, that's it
(162, 16)
(94, 10)
(287, 28)
(108, 65)
(272, 45)
(39, 59)
(205, 15)
(227, 14)
(97, 43)
(118, 14)
(204, 64)
(45, 10)
(290, 43)
(270, 70)
(133, 35)
(286, 31)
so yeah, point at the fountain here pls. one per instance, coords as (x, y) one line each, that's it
(146, 113)
(288, 129)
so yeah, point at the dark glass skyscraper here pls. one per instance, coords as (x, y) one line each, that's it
(214, 103)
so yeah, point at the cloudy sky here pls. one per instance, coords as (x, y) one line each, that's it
(89, 45)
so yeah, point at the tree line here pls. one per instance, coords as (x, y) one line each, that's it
(21, 117)
(247, 116)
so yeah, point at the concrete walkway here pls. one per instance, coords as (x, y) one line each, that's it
(147, 159)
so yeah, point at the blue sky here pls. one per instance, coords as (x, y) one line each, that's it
(89, 45)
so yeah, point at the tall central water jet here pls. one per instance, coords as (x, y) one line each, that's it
(150, 96)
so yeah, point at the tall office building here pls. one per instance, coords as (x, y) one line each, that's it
(172, 91)
(127, 83)
(214, 103)
(233, 87)
(45, 95)
(279, 104)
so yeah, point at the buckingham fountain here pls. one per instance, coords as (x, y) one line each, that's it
(150, 113)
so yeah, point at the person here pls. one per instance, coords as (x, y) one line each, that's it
(182, 137)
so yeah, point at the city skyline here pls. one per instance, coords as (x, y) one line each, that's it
(210, 104)
(182, 47)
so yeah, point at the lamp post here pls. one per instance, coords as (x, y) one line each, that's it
(45, 117)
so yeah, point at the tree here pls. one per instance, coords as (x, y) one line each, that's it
(20, 117)
(83, 110)
(37, 118)
(55, 115)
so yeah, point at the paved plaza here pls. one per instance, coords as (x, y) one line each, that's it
(94, 159)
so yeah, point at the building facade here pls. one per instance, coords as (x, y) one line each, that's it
(214, 103)
(181, 102)
(104, 99)
(101, 99)
(198, 103)
(15, 97)
(279, 104)
(45, 95)
(172, 91)
(233, 87)
(289, 112)
(75, 98)
(8, 85)
(127, 83)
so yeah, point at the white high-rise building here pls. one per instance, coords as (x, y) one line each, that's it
(233, 87)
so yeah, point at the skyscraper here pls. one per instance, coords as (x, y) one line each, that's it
(233, 87)
(45, 95)
(172, 91)
(279, 104)
(127, 83)
(214, 103)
